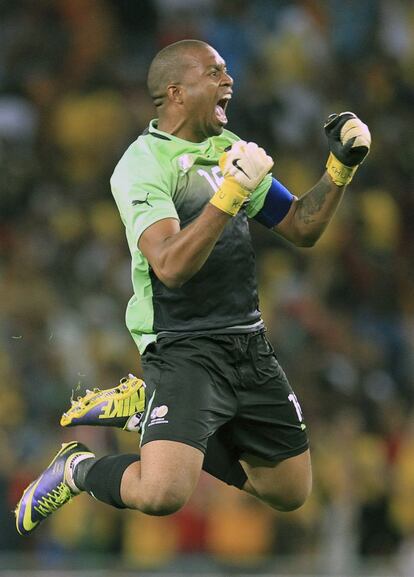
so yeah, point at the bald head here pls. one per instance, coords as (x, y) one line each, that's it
(168, 67)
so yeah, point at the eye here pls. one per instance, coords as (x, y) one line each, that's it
(214, 73)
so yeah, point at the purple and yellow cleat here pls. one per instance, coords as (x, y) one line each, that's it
(122, 406)
(52, 489)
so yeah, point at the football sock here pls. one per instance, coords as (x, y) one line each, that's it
(222, 461)
(101, 477)
(81, 470)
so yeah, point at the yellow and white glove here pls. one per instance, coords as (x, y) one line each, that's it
(244, 167)
(349, 142)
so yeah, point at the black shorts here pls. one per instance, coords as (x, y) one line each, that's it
(198, 384)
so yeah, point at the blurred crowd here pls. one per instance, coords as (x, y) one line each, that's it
(340, 315)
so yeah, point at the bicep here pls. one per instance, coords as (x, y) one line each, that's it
(152, 241)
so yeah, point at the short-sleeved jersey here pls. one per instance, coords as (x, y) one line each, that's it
(161, 176)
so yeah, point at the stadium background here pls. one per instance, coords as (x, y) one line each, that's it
(341, 316)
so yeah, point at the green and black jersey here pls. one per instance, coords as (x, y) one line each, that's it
(161, 176)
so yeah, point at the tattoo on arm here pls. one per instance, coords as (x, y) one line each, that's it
(312, 202)
(311, 213)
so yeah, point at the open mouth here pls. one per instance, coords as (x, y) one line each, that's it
(221, 109)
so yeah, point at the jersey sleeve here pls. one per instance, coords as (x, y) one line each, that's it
(258, 197)
(142, 189)
(271, 202)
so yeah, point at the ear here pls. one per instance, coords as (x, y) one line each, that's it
(175, 93)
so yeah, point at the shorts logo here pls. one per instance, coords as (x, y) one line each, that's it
(158, 414)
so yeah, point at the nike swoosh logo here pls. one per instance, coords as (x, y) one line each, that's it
(236, 164)
(28, 524)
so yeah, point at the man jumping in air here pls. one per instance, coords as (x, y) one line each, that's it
(216, 396)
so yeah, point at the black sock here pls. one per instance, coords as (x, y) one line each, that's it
(222, 461)
(81, 470)
(102, 477)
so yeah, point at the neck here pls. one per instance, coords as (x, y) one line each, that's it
(179, 127)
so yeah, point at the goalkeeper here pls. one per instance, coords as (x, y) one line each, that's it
(216, 396)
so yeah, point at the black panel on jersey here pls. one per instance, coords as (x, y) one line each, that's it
(222, 294)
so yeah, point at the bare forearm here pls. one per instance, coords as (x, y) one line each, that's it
(186, 252)
(316, 207)
(312, 212)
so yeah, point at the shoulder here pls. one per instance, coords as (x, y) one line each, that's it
(229, 136)
(142, 160)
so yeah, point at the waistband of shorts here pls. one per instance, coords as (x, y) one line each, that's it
(238, 339)
(239, 330)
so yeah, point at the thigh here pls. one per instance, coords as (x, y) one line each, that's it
(170, 469)
(187, 395)
(269, 423)
(267, 477)
(284, 485)
(164, 479)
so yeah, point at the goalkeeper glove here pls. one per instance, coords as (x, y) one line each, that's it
(349, 142)
(244, 167)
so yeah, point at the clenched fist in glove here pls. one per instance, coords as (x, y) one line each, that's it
(244, 167)
(349, 142)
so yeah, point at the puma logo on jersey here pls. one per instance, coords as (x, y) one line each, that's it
(236, 164)
(135, 202)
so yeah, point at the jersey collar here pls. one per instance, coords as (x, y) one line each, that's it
(152, 129)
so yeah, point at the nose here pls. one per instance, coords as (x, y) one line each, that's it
(227, 80)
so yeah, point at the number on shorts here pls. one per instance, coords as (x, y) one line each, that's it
(292, 397)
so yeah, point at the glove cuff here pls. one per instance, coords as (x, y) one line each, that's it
(229, 197)
(339, 173)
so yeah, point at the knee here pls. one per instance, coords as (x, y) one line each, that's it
(292, 501)
(292, 498)
(162, 502)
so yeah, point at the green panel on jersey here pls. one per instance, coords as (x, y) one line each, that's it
(161, 176)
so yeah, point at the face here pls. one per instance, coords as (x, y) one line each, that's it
(206, 89)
